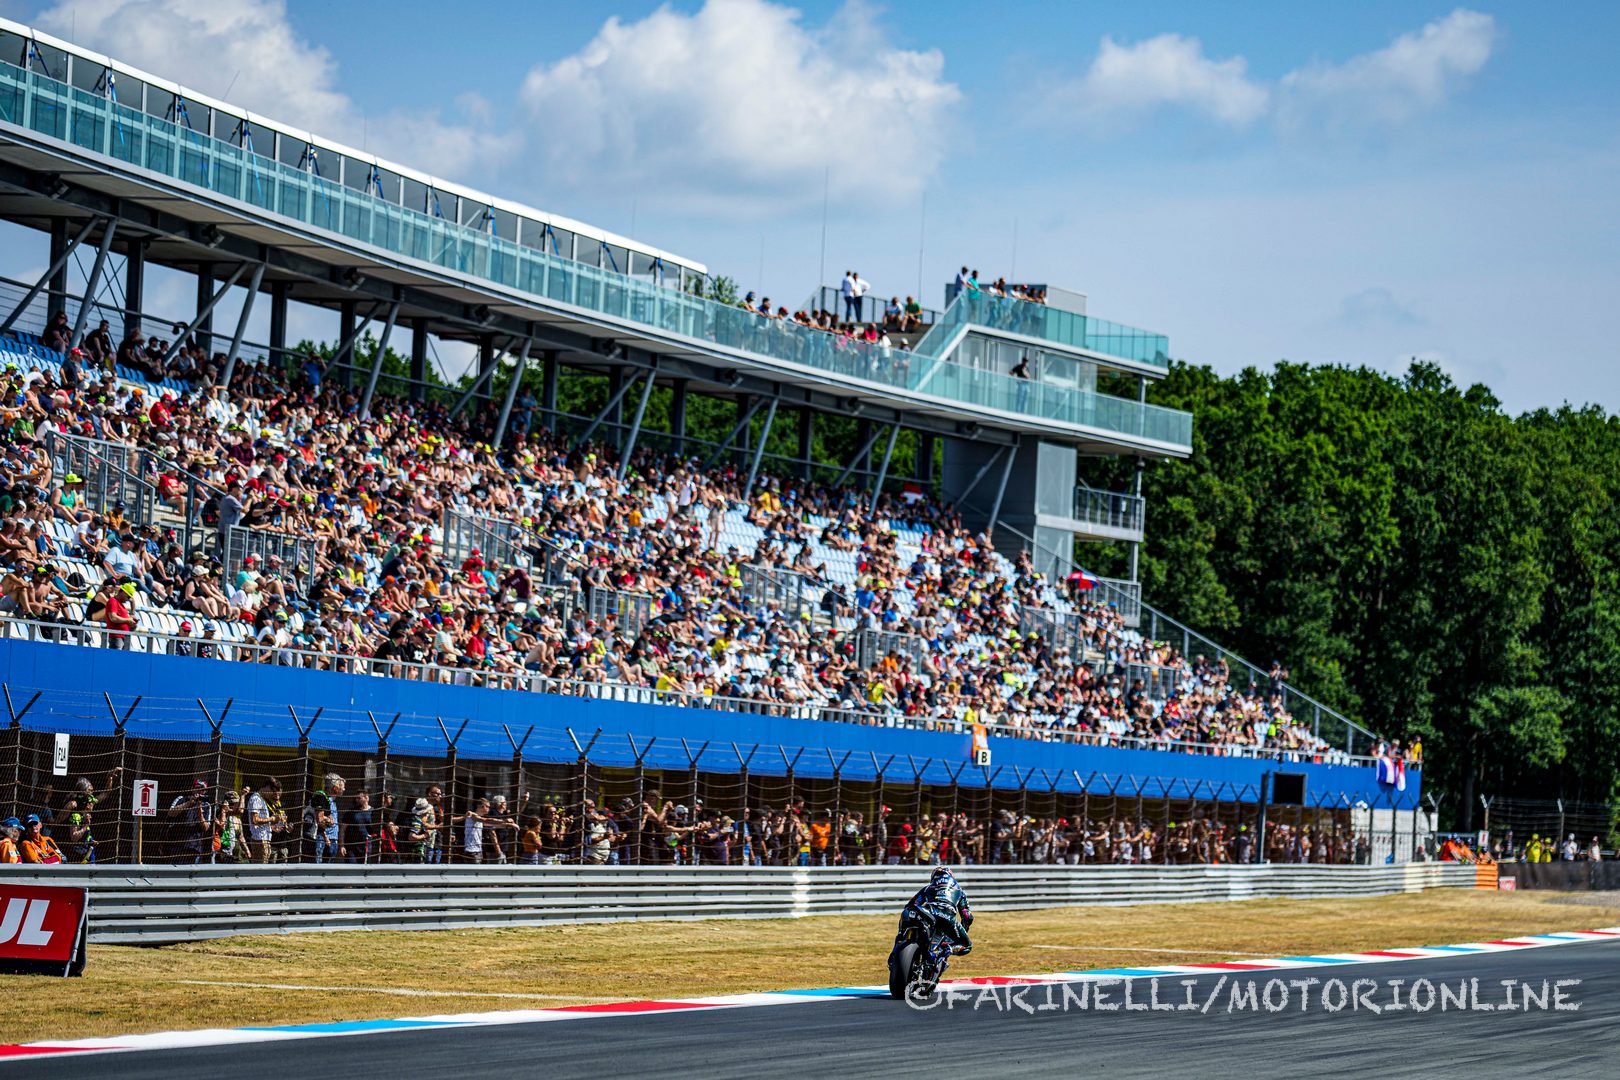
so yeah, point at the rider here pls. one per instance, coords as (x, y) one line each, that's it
(941, 908)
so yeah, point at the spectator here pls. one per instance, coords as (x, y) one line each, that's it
(322, 825)
(36, 846)
(265, 821)
(10, 829)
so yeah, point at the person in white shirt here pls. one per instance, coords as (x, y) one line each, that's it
(472, 833)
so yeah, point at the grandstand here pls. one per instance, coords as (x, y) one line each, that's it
(371, 545)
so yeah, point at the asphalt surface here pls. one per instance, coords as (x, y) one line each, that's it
(881, 1037)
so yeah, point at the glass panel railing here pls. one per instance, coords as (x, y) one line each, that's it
(46, 106)
(1114, 509)
(1050, 324)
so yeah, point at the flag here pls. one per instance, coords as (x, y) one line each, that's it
(1400, 775)
(1084, 579)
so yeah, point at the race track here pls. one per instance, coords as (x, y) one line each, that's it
(871, 1036)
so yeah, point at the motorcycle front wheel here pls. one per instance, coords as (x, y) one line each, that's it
(901, 963)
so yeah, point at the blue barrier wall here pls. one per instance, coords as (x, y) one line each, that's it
(72, 680)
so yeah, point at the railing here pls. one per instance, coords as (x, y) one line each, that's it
(165, 905)
(1049, 323)
(872, 646)
(1060, 629)
(631, 611)
(295, 553)
(871, 308)
(793, 592)
(1037, 727)
(110, 472)
(87, 120)
(1124, 596)
(1112, 509)
(498, 541)
(1157, 680)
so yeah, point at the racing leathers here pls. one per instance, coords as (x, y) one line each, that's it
(941, 910)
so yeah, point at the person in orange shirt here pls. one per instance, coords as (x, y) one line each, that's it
(9, 829)
(820, 838)
(36, 846)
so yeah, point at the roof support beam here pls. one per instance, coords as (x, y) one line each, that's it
(50, 272)
(95, 280)
(207, 310)
(376, 365)
(241, 324)
(635, 425)
(511, 392)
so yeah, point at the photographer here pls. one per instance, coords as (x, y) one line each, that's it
(191, 817)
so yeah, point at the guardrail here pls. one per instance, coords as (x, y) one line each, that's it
(158, 906)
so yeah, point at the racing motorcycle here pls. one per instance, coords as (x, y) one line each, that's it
(913, 971)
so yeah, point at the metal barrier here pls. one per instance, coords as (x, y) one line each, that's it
(793, 592)
(498, 541)
(871, 646)
(1060, 629)
(1159, 681)
(110, 472)
(631, 610)
(1113, 509)
(165, 905)
(297, 554)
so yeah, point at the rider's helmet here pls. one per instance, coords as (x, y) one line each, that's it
(941, 873)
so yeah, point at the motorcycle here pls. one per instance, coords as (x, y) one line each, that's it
(913, 971)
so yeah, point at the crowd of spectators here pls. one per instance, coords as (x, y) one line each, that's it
(335, 825)
(287, 451)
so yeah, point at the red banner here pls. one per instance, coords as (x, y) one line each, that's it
(42, 928)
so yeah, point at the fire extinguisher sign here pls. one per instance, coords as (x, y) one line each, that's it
(145, 800)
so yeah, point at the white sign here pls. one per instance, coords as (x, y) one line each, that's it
(145, 804)
(60, 758)
(982, 757)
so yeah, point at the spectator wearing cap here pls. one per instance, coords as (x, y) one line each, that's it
(67, 501)
(35, 846)
(265, 821)
(117, 616)
(183, 646)
(191, 817)
(10, 830)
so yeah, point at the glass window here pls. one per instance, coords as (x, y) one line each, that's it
(55, 59)
(414, 195)
(354, 172)
(506, 224)
(531, 233)
(561, 241)
(390, 184)
(472, 214)
(160, 103)
(13, 49)
(290, 150)
(87, 74)
(615, 258)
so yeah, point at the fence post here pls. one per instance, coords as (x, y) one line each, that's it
(583, 766)
(916, 779)
(513, 842)
(641, 790)
(305, 845)
(745, 832)
(838, 803)
(16, 745)
(790, 767)
(956, 807)
(217, 741)
(383, 811)
(446, 827)
(880, 836)
(120, 723)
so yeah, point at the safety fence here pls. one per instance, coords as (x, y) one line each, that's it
(592, 798)
(164, 905)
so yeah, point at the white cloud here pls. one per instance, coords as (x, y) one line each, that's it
(1415, 72)
(740, 101)
(250, 48)
(1169, 70)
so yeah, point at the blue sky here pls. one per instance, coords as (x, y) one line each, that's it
(1328, 183)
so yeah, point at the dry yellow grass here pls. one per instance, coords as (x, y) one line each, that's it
(129, 989)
